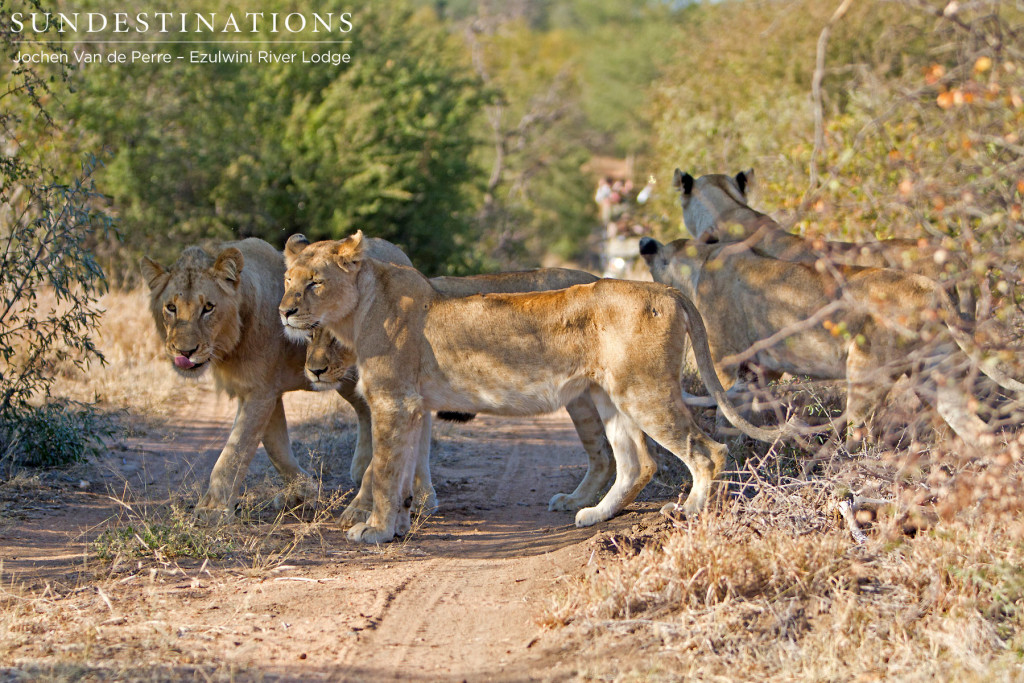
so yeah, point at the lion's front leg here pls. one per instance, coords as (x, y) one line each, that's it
(424, 496)
(361, 505)
(396, 438)
(251, 421)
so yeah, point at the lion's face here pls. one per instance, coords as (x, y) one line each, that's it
(327, 360)
(195, 307)
(320, 283)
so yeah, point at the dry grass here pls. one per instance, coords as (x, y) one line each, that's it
(768, 585)
(773, 587)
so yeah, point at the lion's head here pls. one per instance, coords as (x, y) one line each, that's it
(320, 283)
(675, 263)
(707, 200)
(195, 306)
(327, 360)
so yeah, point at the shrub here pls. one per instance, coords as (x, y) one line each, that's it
(49, 278)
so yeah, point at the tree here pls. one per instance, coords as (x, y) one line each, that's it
(201, 151)
(49, 280)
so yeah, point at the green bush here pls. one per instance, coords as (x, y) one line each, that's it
(52, 435)
(50, 280)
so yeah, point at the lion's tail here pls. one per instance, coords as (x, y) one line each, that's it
(702, 352)
(989, 366)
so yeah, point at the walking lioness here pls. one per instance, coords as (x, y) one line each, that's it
(329, 365)
(419, 350)
(715, 209)
(866, 325)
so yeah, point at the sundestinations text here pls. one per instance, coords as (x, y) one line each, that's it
(182, 22)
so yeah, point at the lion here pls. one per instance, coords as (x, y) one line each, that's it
(868, 326)
(220, 311)
(419, 350)
(329, 366)
(715, 209)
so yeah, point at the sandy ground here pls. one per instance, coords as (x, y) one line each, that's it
(461, 598)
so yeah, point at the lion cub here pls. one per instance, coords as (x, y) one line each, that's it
(419, 350)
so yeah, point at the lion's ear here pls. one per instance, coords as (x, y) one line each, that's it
(228, 266)
(349, 251)
(294, 246)
(745, 181)
(682, 181)
(153, 273)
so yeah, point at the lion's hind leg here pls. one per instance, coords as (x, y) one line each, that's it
(667, 420)
(634, 466)
(600, 465)
(952, 401)
(869, 377)
(299, 486)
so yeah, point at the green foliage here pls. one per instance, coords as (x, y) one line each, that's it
(174, 533)
(219, 150)
(54, 435)
(50, 280)
(406, 142)
(385, 147)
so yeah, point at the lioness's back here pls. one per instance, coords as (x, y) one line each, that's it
(516, 325)
(512, 282)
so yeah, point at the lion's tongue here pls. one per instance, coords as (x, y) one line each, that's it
(183, 363)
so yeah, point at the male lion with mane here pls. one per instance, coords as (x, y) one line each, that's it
(418, 350)
(220, 312)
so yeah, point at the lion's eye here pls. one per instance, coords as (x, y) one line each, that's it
(208, 307)
(171, 308)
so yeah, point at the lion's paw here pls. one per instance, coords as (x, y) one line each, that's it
(212, 512)
(300, 491)
(676, 511)
(404, 523)
(427, 505)
(364, 533)
(564, 502)
(591, 516)
(671, 509)
(352, 516)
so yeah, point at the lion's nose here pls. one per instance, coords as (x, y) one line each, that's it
(317, 371)
(288, 312)
(188, 354)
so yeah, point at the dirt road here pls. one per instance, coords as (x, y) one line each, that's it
(461, 598)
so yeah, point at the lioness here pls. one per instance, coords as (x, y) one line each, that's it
(221, 312)
(715, 209)
(329, 366)
(419, 350)
(867, 325)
